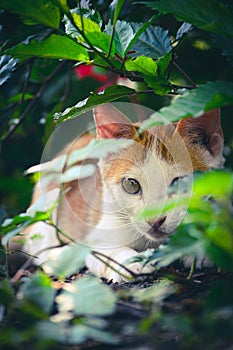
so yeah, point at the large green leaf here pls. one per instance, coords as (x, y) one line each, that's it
(54, 46)
(87, 296)
(66, 260)
(38, 11)
(97, 149)
(139, 28)
(206, 184)
(142, 64)
(123, 35)
(149, 70)
(194, 102)
(180, 244)
(39, 291)
(210, 15)
(154, 42)
(101, 41)
(74, 334)
(126, 34)
(112, 93)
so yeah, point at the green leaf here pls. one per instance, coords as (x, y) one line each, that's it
(154, 42)
(62, 4)
(139, 28)
(143, 65)
(77, 172)
(14, 232)
(111, 93)
(209, 15)
(148, 67)
(184, 29)
(123, 35)
(101, 41)
(221, 237)
(19, 97)
(73, 334)
(39, 291)
(87, 296)
(39, 211)
(126, 34)
(54, 46)
(66, 260)
(55, 165)
(220, 257)
(7, 293)
(118, 6)
(7, 66)
(216, 183)
(195, 102)
(62, 332)
(38, 11)
(180, 244)
(97, 149)
(155, 294)
(18, 219)
(161, 86)
(85, 24)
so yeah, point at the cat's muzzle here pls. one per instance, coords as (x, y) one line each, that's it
(155, 232)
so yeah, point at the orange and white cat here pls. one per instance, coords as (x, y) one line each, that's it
(102, 210)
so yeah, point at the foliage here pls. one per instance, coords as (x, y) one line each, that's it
(42, 43)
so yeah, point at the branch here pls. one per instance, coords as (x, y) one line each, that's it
(184, 74)
(34, 101)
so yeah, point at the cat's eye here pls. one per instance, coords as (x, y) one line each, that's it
(175, 181)
(181, 184)
(131, 185)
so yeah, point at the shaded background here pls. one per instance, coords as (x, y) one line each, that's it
(195, 55)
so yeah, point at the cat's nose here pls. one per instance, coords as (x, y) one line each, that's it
(156, 224)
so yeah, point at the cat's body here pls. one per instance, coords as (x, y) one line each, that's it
(102, 210)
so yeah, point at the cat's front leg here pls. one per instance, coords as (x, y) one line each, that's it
(115, 272)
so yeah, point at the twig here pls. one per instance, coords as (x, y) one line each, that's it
(184, 74)
(67, 86)
(27, 263)
(26, 81)
(34, 101)
(133, 274)
(192, 269)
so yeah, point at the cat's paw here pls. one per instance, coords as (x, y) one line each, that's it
(117, 271)
(200, 262)
(123, 275)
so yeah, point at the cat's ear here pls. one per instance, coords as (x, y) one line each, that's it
(111, 123)
(204, 131)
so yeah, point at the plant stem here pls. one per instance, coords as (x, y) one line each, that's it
(92, 47)
(111, 42)
(193, 266)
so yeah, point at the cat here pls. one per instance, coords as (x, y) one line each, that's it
(102, 210)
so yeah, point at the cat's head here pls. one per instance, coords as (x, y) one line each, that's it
(158, 166)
